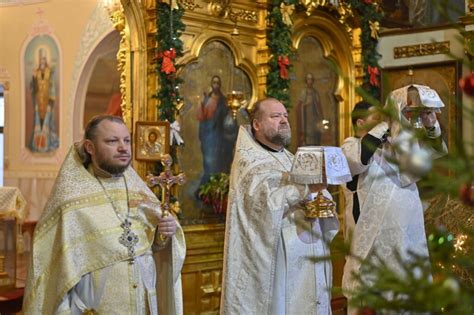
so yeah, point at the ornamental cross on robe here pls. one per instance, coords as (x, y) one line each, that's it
(166, 180)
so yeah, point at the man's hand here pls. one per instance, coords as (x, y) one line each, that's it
(428, 117)
(167, 226)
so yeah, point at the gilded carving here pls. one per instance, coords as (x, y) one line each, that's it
(118, 19)
(421, 50)
(223, 8)
(470, 7)
(189, 4)
(469, 43)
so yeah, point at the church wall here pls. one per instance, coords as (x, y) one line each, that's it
(34, 173)
(392, 39)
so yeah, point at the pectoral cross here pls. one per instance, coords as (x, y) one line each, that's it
(166, 180)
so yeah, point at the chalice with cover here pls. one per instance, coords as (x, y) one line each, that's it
(322, 165)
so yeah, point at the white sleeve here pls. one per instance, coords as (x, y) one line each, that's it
(352, 149)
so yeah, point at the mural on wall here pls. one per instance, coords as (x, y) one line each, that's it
(207, 124)
(42, 98)
(314, 113)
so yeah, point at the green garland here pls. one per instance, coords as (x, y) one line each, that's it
(279, 42)
(368, 12)
(168, 37)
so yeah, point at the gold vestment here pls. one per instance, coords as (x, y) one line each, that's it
(78, 235)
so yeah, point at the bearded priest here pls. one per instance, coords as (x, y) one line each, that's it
(102, 245)
(269, 251)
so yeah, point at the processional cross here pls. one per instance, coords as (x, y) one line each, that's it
(166, 180)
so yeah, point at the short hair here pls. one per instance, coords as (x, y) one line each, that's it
(90, 131)
(256, 113)
(361, 110)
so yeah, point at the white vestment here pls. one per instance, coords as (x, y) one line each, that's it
(391, 213)
(268, 243)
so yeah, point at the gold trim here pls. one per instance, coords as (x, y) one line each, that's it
(224, 9)
(189, 5)
(118, 20)
(469, 43)
(418, 50)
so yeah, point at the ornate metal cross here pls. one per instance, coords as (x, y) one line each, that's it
(166, 180)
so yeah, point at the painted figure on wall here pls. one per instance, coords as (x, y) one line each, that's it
(217, 131)
(44, 138)
(41, 71)
(309, 114)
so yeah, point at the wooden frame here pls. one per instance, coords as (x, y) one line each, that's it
(442, 77)
(152, 140)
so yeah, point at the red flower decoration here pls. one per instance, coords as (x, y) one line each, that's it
(466, 193)
(283, 63)
(467, 84)
(373, 72)
(368, 1)
(167, 65)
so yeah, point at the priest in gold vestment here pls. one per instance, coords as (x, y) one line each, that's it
(269, 245)
(101, 245)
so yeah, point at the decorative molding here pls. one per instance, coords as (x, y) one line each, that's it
(189, 4)
(40, 27)
(418, 50)
(469, 43)
(224, 9)
(118, 19)
(243, 15)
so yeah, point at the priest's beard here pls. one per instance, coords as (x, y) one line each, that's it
(112, 166)
(113, 169)
(281, 137)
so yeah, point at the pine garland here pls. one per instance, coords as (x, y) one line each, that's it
(168, 38)
(279, 42)
(369, 19)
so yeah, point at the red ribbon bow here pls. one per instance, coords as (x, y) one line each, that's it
(167, 65)
(283, 62)
(373, 72)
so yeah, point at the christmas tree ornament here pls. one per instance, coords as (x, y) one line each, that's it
(373, 73)
(167, 65)
(286, 12)
(466, 193)
(467, 84)
(374, 29)
(283, 63)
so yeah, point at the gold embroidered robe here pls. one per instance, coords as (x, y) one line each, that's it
(77, 237)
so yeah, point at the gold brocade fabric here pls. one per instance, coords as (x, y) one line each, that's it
(12, 204)
(78, 234)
